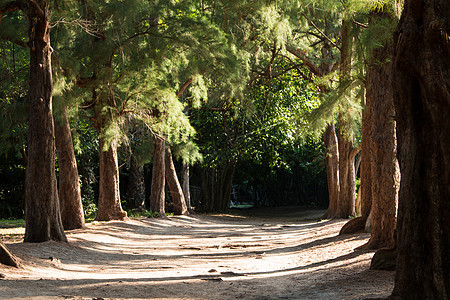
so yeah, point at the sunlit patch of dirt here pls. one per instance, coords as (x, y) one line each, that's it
(245, 255)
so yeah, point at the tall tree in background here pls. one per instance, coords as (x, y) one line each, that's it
(421, 72)
(336, 53)
(43, 218)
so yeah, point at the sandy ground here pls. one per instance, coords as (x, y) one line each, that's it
(244, 255)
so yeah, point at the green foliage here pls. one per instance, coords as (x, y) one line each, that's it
(377, 34)
(86, 152)
(267, 135)
(12, 181)
(12, 223)
(118, 66)
(138, 214)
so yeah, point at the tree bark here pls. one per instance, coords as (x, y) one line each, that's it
(422, 99)
(179, 203)
(185, 186)
(109, 205)
(347, 195)
(136, 185)
(332, 163)
(71, 207)
(346, 201)
(365, 190)
(158, 196)
(385, 176)
(43, 217)
(7, 258)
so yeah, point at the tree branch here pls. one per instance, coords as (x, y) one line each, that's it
(321, 32)
(355, 151)
(220, 109)
(296, 66)
(17, 42)
(11, 6)
(184, 87)
(38, 10)
(360, 24)
(301, 54)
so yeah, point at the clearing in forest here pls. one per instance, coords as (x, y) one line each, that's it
(243, 255)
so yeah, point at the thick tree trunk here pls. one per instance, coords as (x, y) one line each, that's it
(43, 217)
(179, 203)
(185, 186)
(71, 207)
(332, 163)
(158, 196)
(216, 187)
(7, 258)
(421, 72)
(384, 166)
(109, 205)
(136, 185)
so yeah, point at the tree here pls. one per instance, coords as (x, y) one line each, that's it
(421, 97)
(158, 196)
(332, 162)
(335, 52)
(379, 168)
(347, 153)
(72, 214)
(43, 218)
(382, 150)
(179, 202)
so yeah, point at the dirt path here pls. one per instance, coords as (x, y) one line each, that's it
(246, 256)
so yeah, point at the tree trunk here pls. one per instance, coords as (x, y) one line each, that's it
(347, 195)
(422, 99)
(158, 196)
(109, 206)
(216, 187)
(332, 162)
(384, 166)
(71, 207)
(185, 186)
(365, 190)
(43, 217)
(346, 201)
(179, 203)
(136, 185)
(7, 258)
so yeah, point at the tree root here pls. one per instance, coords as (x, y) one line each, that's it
(384, 259)
(353, 226)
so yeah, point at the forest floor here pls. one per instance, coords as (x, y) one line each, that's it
(247, 254)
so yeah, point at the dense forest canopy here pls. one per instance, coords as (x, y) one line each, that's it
(112, 107)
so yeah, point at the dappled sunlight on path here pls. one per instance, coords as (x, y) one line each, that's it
(199, 256)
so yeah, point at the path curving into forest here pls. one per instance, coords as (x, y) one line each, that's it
(243, 255)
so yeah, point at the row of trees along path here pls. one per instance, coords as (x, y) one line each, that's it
(420, 90)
